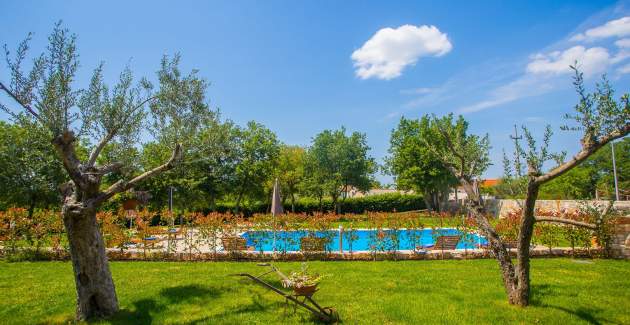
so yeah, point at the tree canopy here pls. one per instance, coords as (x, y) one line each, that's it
(414, 165)
(337, 161)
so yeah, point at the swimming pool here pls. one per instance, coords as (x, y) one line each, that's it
(364, 239)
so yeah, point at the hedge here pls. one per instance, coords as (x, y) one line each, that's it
(377, 203)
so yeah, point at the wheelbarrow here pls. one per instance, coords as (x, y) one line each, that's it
(325, 314)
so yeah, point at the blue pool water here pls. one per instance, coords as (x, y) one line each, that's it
(364, 240)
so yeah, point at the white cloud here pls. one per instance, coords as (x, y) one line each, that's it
(543, 74)
(590, 61)
(623, 43)
(617, 28)
(389, 51)
(527, 86)
(546, 72)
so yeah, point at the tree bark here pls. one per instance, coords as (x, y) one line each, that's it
(502, 255)
(96, 294)
(238, 202)
(526, 231)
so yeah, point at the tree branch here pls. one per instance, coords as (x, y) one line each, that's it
(566, 221)
(582, 155)
(123, 185)
(106, 169)
(110, 135)
(97, 150)
(450, 145)
(64, 143)
(15, 97)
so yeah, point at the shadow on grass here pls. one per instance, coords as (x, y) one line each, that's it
(276, 305)
(149, 310)
(142, 310)
(587, 314)
(259, 304)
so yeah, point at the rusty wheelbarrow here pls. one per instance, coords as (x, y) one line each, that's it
(306, 301)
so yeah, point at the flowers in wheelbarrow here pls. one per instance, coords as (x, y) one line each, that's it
(301, 279)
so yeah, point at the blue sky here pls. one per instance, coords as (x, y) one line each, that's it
(301, 67)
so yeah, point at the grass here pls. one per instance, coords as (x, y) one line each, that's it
(565, 291)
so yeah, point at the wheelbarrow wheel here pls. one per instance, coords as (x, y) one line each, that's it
(332, 313)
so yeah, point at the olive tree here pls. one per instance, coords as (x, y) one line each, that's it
(47, 95)
(598, 116)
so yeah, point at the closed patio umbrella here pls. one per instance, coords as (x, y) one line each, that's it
(276, 201)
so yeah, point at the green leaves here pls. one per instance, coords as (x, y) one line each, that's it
(30, 172)
(179, 110)
(258, 150)
(597, 114)
(413, 163)
(336, 161)
(465, 155)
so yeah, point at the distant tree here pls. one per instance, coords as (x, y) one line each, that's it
(577, 184)
(214, 163)
(601, 120)
(30, 171)
(415, 166)
(257, 157)
(315, 180)
(103, 115)
(337, 162)
(290, 171)
(197, 179)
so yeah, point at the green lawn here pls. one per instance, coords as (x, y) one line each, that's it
(565, 291)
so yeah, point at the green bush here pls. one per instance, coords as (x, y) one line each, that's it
(377, 203)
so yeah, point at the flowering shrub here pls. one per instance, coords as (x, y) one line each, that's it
(508, 226)
(200, 235)
(209, 227)
(377, 240)
(14, 224)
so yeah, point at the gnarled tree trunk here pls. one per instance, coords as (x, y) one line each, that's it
(96, 294)
(477, 209)
(526, 231)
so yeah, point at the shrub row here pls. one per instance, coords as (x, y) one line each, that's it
(41, 235)
(390, 202)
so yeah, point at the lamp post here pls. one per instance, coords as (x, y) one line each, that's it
(172, 189)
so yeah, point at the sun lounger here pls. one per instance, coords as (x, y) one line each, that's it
(446, 243)
(234, 243)
(312, 244)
